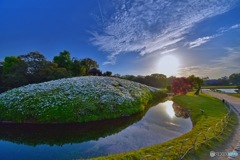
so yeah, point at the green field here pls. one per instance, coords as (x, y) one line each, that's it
(214, 111)
(218, 87)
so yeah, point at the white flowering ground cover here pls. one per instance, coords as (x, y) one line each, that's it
(75, 100)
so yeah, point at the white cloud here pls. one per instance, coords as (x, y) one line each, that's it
(169, 50)
(236, 26)
(150, 26)
(200, 41)
(203, 40)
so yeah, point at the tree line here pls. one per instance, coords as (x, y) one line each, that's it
(233, 79)
(154, 80)
(33, 67)
(180, 85)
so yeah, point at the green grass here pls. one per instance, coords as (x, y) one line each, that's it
(219, 87)
(216, 144)
(214, 111)
(234, 95)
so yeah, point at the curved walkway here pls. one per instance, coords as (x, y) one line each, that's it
(234, 142)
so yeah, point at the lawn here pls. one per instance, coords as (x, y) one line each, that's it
(219, 87)
(214, 112)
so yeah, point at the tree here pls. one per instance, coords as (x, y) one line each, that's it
(8, 64)
(77, 68)
(14, 72)
(154, 80)
(87, 64)
(51, 72)
(181, 85)
(159, 80)
(1, 72)
(129, 77)
(140, 79)
(196, 83)
(63, 60)
(17, 76)
(234, 79)
(35, 62)
(169, 80)
(107, 73)
(117, 75)
(81, 67)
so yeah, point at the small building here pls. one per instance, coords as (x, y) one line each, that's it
(94, 72)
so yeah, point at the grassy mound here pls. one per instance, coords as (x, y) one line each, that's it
(75, 100)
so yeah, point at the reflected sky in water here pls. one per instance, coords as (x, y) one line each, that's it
(158, 125)
(169, 108)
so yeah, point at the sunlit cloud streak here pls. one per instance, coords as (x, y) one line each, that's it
(203, 40)
(200, 41)
(148, 26)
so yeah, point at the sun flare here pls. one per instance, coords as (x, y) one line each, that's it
(168, 65)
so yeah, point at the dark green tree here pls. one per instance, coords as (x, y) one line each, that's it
(17, 76)
(117, 75)
(107, 73)
(35, 62)
(129, 77)
(160, 80)
(87, 64)
(8, 64)
(63, 60)
(78, 68)
(234, 79)
(197, 83)
(1, 72)
(51, 72)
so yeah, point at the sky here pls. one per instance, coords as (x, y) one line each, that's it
(138, 37)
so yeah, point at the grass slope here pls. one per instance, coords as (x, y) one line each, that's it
(219, 87)
(75, 100)
(214, 111)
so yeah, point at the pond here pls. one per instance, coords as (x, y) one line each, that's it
(160, 123)
(227, 90)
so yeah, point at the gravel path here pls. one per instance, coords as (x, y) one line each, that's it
(234, 143)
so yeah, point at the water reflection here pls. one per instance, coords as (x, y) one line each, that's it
(60, 134)
(169, 108)
(179, 111)
(161, 123)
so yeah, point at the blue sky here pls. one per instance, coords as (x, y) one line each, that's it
(139, 37)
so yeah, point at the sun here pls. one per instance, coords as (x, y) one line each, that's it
(168, 65)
